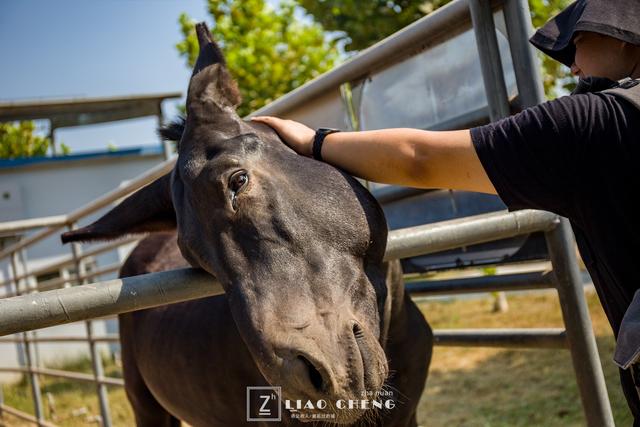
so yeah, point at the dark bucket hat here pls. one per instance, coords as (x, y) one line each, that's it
(615, 18)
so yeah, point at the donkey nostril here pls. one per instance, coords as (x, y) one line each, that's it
(314, 375)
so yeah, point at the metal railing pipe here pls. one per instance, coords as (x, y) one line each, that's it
(2, 419)
(59, 281)
(445, 235)
(40, 310)
(100, 338)
(24, 416)
(69, 375)
(31, 223)
(151, 290)
(30, 287)
(96, 358)
(33, 377)
(503, 338)
(68, 260)
(495, 87)
(582, 343)
(503, 282)
(28, 241)
(525, 62)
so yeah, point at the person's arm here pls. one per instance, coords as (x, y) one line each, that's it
(402, 156)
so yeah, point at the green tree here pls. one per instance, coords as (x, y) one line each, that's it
(363, 23)
(554, 74)
(269, 51)
(18, 140)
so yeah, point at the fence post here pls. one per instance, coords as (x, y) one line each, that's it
(582, 344)
(523, 56)
(495, 87)
(96, 359)
(1, 404)
(33, 377)
(29, 288)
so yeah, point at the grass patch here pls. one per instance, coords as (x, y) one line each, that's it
(466, 386)
(75, 402)
(499, 387)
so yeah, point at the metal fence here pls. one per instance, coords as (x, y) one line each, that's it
(330, 100)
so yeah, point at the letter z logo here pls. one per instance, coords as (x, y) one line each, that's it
(263, 403)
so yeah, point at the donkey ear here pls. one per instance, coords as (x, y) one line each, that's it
(148, 209)
(210, 80)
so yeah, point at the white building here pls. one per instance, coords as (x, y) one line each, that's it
(46, 186)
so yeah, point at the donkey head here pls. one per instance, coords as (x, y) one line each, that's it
(296, 244)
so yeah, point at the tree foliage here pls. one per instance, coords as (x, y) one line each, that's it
(554, 74)
(363, 23)
(269, 51)
(18, 140)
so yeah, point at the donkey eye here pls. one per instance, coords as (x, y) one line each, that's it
(238, 180)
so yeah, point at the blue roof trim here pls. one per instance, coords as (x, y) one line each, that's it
(148, 150)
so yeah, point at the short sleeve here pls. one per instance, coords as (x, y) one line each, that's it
(543, 157)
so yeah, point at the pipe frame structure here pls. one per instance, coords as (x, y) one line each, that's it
(34, 381)
(96, 358)
(33, 311)
(139, 292)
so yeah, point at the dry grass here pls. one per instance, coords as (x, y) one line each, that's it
(498, 387)
(75, 403)
(466, 386)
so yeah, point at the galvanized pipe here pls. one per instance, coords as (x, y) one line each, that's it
(2, 420)
(96, 359)
(59, 281)
(21, 225)
(560, 241)
(501, 283)
(503, 338)
(584, 352)
(69, 260)
(441, 236)
(30, 287)
(28, 241)
(60, 306)
(33, 377)
(134, 293)
(495, 87)
(24, 416)
(525, 62)
(69, 375)
(100, 338)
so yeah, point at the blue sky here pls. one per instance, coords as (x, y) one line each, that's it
(60, 49)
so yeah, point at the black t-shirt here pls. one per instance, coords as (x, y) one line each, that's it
(577, 156)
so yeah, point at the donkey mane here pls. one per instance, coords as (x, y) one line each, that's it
(173, 131)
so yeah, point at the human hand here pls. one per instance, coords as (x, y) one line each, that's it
(294, 134)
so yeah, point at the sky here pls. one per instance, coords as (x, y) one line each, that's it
(66, 48)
